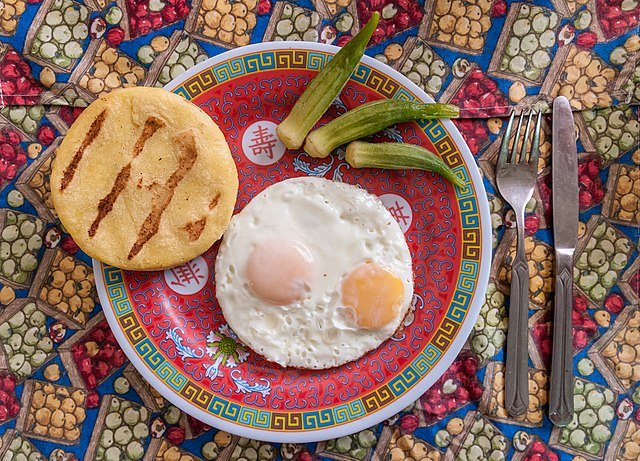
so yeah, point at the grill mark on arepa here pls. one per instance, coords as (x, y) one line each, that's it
(214, 201)
(106, 204)
(91, 135)
(195, 228)
(164, 192)
(151, 125)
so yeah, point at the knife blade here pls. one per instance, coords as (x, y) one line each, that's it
(564, 170)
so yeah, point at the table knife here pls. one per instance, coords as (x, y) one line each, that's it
(564, 170)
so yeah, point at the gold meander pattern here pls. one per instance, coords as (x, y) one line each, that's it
(445, 334)
(197, 395)
(377, 399)
(382, 84)
(471, 245)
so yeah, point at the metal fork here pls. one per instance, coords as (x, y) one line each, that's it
(516, 177)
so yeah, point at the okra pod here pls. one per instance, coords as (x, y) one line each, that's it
(323, 89)
(370, 118)
(391, 155)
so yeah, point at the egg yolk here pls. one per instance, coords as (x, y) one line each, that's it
(280, 271)
(374, 294)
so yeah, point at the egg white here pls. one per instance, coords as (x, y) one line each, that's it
(343, 226)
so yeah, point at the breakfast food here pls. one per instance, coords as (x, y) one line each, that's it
(319, 284)
(370, 118)
(324, 88)
(155, 196)
(361, 121)
(398, 155)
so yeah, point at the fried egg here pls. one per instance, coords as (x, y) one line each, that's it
(314, 273)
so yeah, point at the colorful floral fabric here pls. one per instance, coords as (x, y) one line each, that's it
(67, 390)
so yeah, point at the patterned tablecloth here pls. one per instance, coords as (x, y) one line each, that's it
(484, 55)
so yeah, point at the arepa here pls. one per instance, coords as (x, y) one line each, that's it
(144, 180)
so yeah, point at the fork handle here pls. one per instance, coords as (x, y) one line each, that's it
(561, 388)
(517, 366)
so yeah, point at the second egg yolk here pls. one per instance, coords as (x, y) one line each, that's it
(374, 294)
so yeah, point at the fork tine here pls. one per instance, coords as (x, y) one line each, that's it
(504, 147)
(525, 137)
(535, 143)
(514, 149)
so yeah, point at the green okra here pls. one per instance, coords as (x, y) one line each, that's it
(323, 89)
(370, 118)
(397, 156)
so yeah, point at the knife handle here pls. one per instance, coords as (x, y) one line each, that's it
(561, 389)
(517, 366)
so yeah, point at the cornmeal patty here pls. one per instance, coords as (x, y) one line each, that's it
(144, 180)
